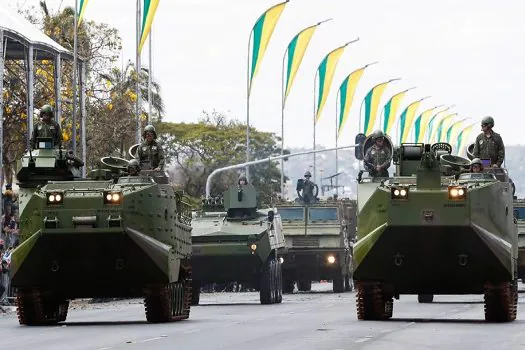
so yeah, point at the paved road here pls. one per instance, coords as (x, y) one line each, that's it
(319, 320)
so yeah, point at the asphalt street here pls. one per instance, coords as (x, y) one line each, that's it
(236, 321)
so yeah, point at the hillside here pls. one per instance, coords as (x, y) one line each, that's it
(348, 165)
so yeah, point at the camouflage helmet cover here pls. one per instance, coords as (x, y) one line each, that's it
(150, 128)
(476, 161)
(307, 174)
(377, 134)
(488, 120)
(47, 109)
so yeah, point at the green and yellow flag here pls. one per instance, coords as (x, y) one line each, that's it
(81, 10)
(407, 119)
(295, 52)
(346, 95)
(150, 7)
(262, 32)
(421, 124)
(442, 125)
(326, 72)
(390, 110)
(372, 99)
(453, 130)
(463, 137)
(432, 122)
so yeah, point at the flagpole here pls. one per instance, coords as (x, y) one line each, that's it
(150, 72)
(336, 141)
(137, 104)
(315, 80)
(247, 168)
(75, 48)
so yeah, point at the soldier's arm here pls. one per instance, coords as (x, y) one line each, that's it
(501, 151)
(475, 151)
(386, 164)
(58, 135)
(368, 159)
(161, 157)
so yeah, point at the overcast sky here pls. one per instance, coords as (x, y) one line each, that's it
(469, 53)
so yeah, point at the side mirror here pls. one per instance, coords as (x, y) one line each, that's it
(271, 215)
(360, 142)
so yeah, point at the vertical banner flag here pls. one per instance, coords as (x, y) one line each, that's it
(326, 72)
(295, 52)
(262, 32)
(81, 10)
(453, 129)
(432, 122)
(442, 126)
(372, 99)
(463, 137)
(421, 124)
(390, 110)
(150, 7)
(346, 95)
(406, 120)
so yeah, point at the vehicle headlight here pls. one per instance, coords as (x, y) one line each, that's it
(457, 193)
(253, 246)
(112, 198)
(399, 193)
(330, 259)
(55, 198)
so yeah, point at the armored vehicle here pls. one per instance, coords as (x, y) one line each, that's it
(519, 215)
(435, 228)
(109, 235)
(319, 243)
(234, 241)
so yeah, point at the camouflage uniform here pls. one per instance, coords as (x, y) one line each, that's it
(490, 148)
(308, 189)
(43, 129)
(378, 156)
(151, 152)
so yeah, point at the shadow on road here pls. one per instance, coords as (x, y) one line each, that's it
(457, 302)
(449, 320)
(231, 304)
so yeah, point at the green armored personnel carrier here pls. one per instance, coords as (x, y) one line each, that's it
(233, 240)
(108, 236)
(319, 239)
(519, 215)
(434, 228)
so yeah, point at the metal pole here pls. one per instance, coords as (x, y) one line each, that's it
(58, 89)
(75, 87)
(30, 94)
(247, 170)
(137, 69)
(336, 142)
(1, 118)
(83, 115)
(282, 123)
(150, 104)
(315, 80)
(269, 159)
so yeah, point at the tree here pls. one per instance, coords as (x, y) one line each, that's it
(197, 149)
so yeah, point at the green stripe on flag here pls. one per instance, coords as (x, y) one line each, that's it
(291, 54)
(386, 114)
(368, 108)
(257, 34)
(342, 100)
(322, 77)
(147, 4)
(402, 121)
(417, 127)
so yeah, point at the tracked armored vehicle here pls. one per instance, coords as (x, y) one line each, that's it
(234, 241)
(319, 238)
(434, 228)
(519, 215)
(111, 235)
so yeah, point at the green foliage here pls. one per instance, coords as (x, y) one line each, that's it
(214, 142)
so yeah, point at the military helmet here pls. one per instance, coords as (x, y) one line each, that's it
(149, 128)
(307, 174)
(46, 109)
(488, 121)
(242, 177)
(476, 161)
(134, 163)
(377, 134)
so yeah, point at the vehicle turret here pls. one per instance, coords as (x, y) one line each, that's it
(240, 202)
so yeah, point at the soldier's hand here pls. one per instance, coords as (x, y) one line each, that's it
(495, 166)
(157, 169)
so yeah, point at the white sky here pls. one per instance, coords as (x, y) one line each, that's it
(469, 53)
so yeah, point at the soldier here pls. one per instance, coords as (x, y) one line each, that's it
(489, 145)
(377, 158)
(150, 150)
(133, 167)
(308, 189)
(47, 127)
(242, 180)
(476, 166)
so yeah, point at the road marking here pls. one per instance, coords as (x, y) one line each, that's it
(150, 339)
(385, 331)
(105, 348)
(362, 340)
(191, 331)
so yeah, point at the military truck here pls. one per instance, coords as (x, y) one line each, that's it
(233, 240)
(435, 228)
(319, 238)
(109, 235)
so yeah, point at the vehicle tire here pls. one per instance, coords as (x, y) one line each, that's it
(338, 284)
(266, 286)
(195, 292)
(288, 286)
(425, 298)
(304, 285)
(279, 287)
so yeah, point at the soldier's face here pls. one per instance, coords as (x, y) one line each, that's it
(307, 178)
(379, 141)
(476, 168)
(485, 127)
(46, 117)
(149, 136)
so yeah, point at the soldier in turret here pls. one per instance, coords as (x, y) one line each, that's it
(489, 144)
(378, 157)
(150, 150)
(307, 188)
(476, 165)
(242, 181)
(47, 127)
(133, 168)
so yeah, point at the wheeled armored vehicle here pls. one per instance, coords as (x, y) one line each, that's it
(109, 235)
(435, 228)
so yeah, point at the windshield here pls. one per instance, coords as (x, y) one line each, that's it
(322, 214)
(292, 214)
(519, 213)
